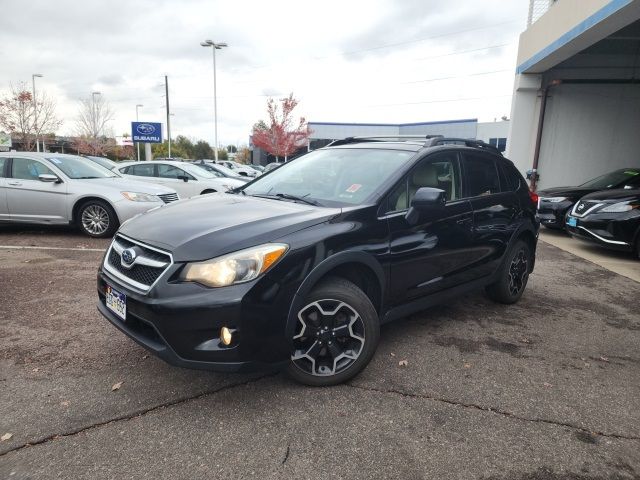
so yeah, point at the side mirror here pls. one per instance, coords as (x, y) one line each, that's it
(47, 177)
(426, 200)
(184, 178)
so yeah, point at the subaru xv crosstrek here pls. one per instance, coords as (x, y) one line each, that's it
(300, 267)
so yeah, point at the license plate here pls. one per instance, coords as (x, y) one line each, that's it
(572, 221)
(116, 302)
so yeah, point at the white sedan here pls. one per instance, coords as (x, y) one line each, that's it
(188, 180)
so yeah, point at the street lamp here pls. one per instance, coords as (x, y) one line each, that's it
(138, 143)
(94, 115)
(35, 110)
(216, 46)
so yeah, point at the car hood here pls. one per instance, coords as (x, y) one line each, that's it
(572, 193)
(127, 185)
(211, 225)
(614, 196)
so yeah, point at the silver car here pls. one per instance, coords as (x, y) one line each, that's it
(58, 189)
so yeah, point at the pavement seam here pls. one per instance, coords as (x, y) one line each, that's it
(70, 249)
(135, 414)
(497, 411)
(286, 454)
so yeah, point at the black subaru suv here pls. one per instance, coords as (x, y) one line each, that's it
(300, 267)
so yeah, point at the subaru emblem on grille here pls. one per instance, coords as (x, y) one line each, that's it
(129, 255)
(581, 207)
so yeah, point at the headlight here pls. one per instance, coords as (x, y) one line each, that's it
(619, 207)
(140, 197)
(553, 199)
(237, 267)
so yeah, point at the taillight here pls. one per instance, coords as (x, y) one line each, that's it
(534, 197)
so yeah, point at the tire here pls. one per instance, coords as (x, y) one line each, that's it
(336, 335)
(513, 275)
(97, 219)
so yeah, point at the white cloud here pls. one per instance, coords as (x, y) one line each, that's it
(363, 61)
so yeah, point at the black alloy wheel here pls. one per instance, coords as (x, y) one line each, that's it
(513, 275)
(336, 334)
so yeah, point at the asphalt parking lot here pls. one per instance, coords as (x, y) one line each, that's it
(545, 389)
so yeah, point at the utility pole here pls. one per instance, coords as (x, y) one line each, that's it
(137, 120)
(35, 110)
(166, 92)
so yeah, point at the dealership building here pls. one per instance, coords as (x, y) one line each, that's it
(576, 104)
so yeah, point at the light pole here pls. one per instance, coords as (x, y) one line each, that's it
(94, 115)
(215, 46)
(35, 110)
(138, 143)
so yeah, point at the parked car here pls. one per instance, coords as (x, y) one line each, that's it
(219, 170)
(58, 189)
(298, 269)
(187, 179)
(272, 166)
(555, 203)
(259, 168)
(103, 162)
(609, 218)
(242, 170)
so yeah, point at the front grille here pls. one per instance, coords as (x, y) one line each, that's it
(147, 267)
(583, 207)
(169, 197)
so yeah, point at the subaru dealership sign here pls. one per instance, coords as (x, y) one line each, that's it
(146, 132)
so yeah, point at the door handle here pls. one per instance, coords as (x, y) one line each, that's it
(14, 183)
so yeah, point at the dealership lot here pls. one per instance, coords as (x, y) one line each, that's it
(545, 389)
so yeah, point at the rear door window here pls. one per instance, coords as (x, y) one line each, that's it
(481, 173)
(145, 170)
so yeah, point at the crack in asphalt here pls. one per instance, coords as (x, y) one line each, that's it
(286, 454)
(137, 414)
(497, 411)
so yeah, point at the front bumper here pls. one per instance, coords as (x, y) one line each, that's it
(552, 215)
(614, 231)
(182, 325)
(126, 209)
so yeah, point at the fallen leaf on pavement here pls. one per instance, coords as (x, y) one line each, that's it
(392, 354)
(65, 403)
(467, 365)
(548, 385)
(403, 363)
(6, 436)
(116, 386)
(604, 359)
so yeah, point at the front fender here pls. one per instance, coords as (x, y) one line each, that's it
(326, 266)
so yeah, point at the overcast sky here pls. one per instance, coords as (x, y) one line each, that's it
(374, 61)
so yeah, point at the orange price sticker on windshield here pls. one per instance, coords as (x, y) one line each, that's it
(354, 188)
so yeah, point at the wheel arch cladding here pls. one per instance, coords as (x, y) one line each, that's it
(358, 267)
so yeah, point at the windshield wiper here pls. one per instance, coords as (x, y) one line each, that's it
(286, 196)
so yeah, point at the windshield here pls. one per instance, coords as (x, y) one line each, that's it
(80, 168)
(103, 162)
(336, 176)
(612, 179)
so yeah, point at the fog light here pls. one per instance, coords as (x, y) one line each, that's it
(226, 336)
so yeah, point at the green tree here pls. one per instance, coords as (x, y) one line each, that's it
(185, 145)
(202, 149)
(232, 149)
(162, 150)
(222, 154)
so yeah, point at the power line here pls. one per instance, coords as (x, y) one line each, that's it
(458, 76)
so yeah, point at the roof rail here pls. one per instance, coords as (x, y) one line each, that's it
(379, 138)
(441, 140)
(431, 141)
